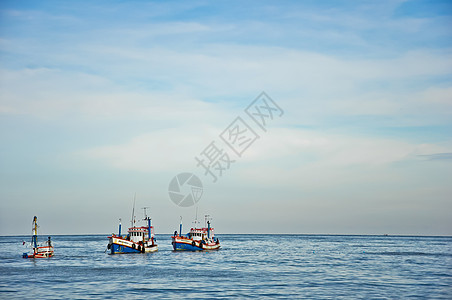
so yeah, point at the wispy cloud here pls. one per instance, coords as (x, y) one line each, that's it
(437, 156)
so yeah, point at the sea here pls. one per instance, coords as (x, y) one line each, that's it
(261, 266)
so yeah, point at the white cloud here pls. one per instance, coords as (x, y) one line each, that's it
(336, 85)
(170, 149)
(54, 93)
(336, 149)
(161, 150)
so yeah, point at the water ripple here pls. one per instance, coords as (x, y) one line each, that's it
(247, 266)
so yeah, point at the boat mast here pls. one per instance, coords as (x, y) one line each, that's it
(133, 210)
(145, 215)
(180, 226)
(196, 217)
(207, 219)
(146, 218)
(34, 238)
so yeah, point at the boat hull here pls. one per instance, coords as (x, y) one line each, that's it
(42, 252)
(185, 244)
(121, 246)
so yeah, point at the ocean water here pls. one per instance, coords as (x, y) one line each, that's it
(247, 266)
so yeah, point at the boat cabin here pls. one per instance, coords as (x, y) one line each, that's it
(198, 234)
(139, 234)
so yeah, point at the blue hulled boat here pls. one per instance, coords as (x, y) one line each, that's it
(139, 239)
(198, 239)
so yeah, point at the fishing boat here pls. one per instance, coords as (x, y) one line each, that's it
(139, 239)
(39, 251)
(197, 239)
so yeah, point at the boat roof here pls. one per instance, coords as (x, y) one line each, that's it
(141, 228)
(201, 229)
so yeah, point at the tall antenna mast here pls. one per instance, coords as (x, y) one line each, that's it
(133, 210)
(145, 215)
(196, 218)
(196, 222)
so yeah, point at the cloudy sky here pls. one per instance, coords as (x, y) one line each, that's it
(100, 100)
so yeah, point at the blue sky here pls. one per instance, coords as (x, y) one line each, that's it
(102, 100)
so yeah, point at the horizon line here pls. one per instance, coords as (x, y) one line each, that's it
(305, 234)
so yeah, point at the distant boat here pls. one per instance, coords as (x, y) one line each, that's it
(39, 251)
(198, 239)
(139, 239)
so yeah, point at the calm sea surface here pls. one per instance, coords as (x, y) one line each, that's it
(247, 266)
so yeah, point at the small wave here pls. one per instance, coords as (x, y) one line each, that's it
(409, 253)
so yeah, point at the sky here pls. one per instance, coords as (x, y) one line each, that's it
(102, 102)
